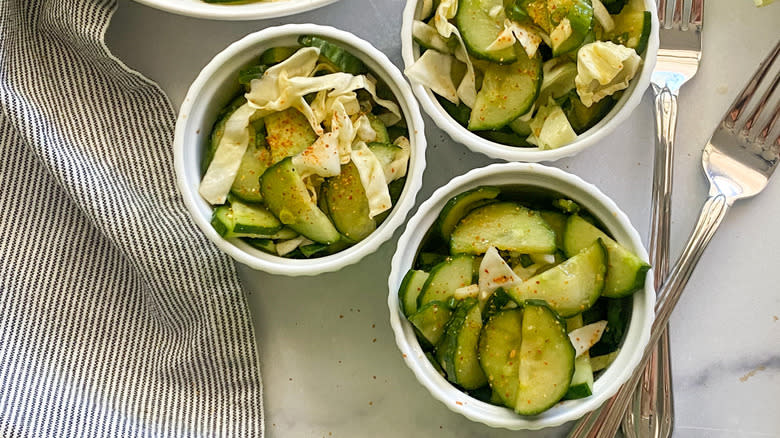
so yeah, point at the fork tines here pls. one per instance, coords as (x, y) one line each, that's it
(740, 104)
(682, 14)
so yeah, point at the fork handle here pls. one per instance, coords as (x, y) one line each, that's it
(651, 413)
(604, 422)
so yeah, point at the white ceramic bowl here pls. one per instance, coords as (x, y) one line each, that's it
(248, 11)
(215, 86)
(556, 181)
(617, 115)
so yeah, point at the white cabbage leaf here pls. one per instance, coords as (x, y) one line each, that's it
(550, 129)
(494, 272)
(604, 68)
(447, 9)
(321, 158)
(398, 167)
(585, 337)
(288, 246)
(428, 37)
(602, 15)
(513, 31)
(434, 70)
(372, 177)
(222, 171)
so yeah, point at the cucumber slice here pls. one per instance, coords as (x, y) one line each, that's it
(246, 75)
(384, 152)
(499, 353)
(495, 303)
(348, 204)
(458, 206)
(459, 112)
(570, 287)
(479, 29)
(344, 60)
(632, 29)
(520, 127)
(381, 130)
(457, 350)
(581, 385)
(572, 21)
(244, 220)
(288, 199)
(599, 363)
(557, 222)
(256, 160)
(618, 314)
(289, 133)
(410, 289)
(266, 245)
(436, 366)
(582, 381)
(451, 274)
(505, 225)
(625, 271)
(582, 117)
(275, 55)
(546, 360)
(508, 92)
(429, 321)
(504, 136)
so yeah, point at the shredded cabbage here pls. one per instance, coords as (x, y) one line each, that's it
(397, 168)
(494, 273)
(526, 35)
(585, 337)
(222, 171)
(602, 15)
(372, 177)
(550, 129)
(434, 70)
(604, 68)
(447, 9)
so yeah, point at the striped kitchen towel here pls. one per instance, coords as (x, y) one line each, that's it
(117, 317)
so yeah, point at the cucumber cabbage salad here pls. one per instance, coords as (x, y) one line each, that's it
(520, 299)
(310, 158)
(529, 72)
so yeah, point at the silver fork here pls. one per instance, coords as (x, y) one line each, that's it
(738, 161)
(651, 413)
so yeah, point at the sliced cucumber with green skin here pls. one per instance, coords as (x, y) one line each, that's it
(570, 287)
(505, 225)
(572, 21)
(275, 55)
(344, 60)
(632, 29)
(515, 12)
(457, 350)
(266, 245)
(246, 75)
(618, 314)
(504, 136)
(348, 204)
(460, 205)
(546, 360)
(426, 261)
(384, 152)
(288, 133)
(459, 112)
(625, 271)
(582, 381)
(429, 321)
(479, 29)
(557, 222)
(381, 130)
(410, 289)
(499, 353)
(288, 199)
(254, 163)
(520, 127)
(582, 117)
(498, 299)
(244, 220)
(435, 363)
(508, 92)
(451, 274)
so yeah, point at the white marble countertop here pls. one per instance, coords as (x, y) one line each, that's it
(330, 364)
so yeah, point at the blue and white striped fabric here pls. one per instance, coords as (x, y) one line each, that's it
(117, 317)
